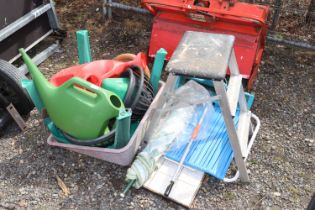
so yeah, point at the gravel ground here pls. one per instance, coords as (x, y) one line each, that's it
(281, 163)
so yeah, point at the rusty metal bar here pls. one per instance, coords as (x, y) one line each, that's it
(16, 116)
(108, 4)
(291, 43)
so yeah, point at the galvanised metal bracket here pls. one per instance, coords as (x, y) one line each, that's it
(16, 116)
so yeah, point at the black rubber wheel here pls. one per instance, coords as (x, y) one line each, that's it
(311, 205)
(11, 88)
(5, 119)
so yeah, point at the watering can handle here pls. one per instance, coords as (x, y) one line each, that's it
(80, 82)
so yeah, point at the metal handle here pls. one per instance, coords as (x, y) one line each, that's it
(169, 189)
(76, 82)
(250, 144)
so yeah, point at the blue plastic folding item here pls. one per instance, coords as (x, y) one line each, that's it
(212, 154)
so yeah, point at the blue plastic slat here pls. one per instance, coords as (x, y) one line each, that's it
(212, 155)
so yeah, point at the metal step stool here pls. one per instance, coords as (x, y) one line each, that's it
(209, 56)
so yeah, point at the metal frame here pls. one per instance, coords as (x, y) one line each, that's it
(231, 130)
(276, 16)
(229, 99)
(23, 21)
(42, 56)
(26, 19)
(52, 16)
(31, 45)
(250, 144)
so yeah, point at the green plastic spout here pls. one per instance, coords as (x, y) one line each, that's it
(41, 82)
(79, 108)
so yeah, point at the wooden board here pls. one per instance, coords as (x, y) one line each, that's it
(185, 188)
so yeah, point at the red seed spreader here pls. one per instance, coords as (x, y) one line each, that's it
(247, 22)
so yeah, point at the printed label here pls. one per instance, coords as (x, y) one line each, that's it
(197, 17)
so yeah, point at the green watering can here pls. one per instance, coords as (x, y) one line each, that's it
(79, 108)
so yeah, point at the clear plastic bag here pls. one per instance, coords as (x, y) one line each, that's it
(179, 113)
(203, 134)
(190, 94)
(184, 109)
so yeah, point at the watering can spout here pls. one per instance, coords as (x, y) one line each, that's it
(40, 81)
(32, 68)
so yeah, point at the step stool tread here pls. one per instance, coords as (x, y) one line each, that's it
(203, 55)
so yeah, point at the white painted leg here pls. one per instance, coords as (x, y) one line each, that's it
(235, 143)
(233, 65)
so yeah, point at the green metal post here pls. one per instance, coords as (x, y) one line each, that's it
(83, 44)
(127, 188)
(157, 69)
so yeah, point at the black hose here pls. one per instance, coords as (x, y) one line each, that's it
(143, 96)
(131, 87)
(91, 142)
(140, 86)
